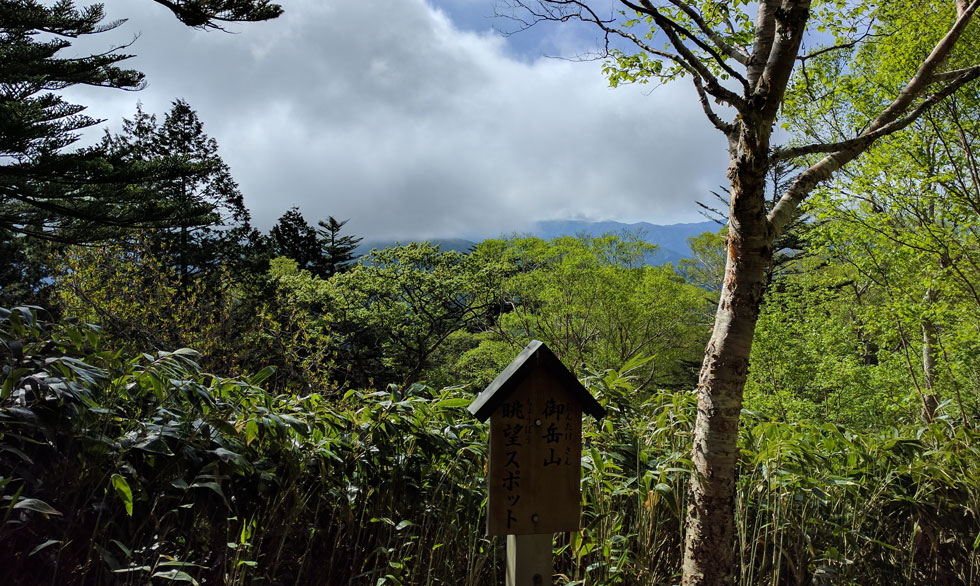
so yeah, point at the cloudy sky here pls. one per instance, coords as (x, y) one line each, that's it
(417, 118)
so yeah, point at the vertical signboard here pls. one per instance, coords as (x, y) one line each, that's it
(535, 459)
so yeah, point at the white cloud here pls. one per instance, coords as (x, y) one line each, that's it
(387, 113)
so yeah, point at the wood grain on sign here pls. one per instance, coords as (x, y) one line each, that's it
(535, 460)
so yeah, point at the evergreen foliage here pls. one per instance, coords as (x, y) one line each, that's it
(43, 190)
(24, 269)
(85, 194)
(293, 238)
(338, 250)
(213, 216)
(211, 13)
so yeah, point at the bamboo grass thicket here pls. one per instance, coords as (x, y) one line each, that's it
(144, 469)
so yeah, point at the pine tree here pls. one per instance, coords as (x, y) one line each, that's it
(199, 184)
(84, 194)
(294, 238)
(210, 13)
(338, 251)
(40, 188)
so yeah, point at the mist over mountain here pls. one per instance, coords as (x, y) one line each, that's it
(671, 239)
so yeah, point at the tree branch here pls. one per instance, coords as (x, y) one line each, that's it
(664, 23)
(739, 55)
(926, 72)
(726, 127)
(205, 14)
(950, 75)
(719, 59)
(765, 32)
(655, 52)
(788, 34)
(823, 169)
(866, 138)
(712, 85)
(584, 13)
(840, 46)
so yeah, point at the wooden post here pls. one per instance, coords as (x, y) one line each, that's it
(535, 410)
(529, 561)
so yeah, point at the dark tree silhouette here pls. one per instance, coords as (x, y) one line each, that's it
(338, 251)
(84, 194)
(294, 238)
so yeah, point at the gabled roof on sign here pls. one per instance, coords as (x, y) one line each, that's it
(533, 356)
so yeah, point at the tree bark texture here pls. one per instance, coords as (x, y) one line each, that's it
(709, 527)
(709, 535)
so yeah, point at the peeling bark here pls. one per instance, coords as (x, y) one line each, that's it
(708, 555)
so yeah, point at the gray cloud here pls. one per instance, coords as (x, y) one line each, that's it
(388, 113)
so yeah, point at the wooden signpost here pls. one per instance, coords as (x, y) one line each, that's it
(535, 409)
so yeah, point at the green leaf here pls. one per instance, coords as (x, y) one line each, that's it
(261, 376)
(155, 445)
(132, 569)
(125, 494)
(176, 576)
(179, 564)
(128, 552)
(453, 403)
(17, 452)
(38, 506)
(212, 486)
(227, 455)
(251, 431)
(44, 545)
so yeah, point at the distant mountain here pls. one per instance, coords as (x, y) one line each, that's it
(671, 239)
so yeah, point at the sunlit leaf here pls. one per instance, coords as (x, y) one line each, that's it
(125, 494)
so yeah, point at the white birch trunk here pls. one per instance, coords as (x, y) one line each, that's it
(709, 529)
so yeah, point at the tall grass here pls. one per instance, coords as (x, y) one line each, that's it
(143, 469)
